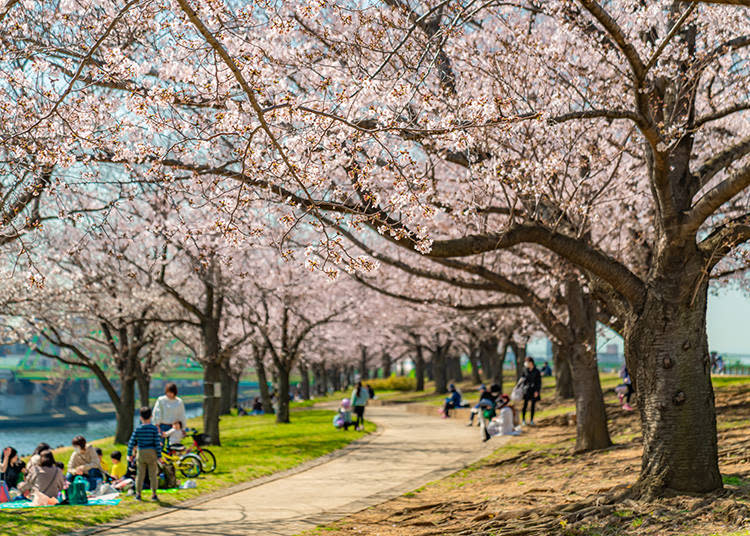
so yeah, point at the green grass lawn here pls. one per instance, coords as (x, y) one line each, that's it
(251, 447)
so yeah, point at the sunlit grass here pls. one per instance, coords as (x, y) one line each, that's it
(251, 447)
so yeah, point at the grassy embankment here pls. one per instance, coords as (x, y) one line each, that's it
(251, 447)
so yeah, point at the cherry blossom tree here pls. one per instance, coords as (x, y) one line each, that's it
(410, 118)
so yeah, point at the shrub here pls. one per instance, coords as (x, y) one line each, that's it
(394, 383)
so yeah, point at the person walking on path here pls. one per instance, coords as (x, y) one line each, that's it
(532, 387)
(169, 408)
(359, 398)
(148, 440)
(85, 462)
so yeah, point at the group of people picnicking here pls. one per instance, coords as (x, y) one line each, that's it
(45, 481)
(492, 401)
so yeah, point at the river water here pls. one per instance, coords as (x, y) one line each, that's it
(25, 440)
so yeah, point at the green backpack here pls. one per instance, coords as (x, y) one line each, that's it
(77, 491)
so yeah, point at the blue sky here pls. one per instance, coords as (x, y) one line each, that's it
(729, 322)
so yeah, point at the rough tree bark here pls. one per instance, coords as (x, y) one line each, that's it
(227, 390)
(591, 415)
(387, 363)
(419, 368)
(125, 410)
(488, 349)
(363, 358)
(144, 387)
(260, 372)
(561, 354)
(666, 350)
(519, 353)
(212, 379)
(439, 367)
(211, 400)
(304, 386)
(475, 365)
(454, 369)
(282, 391)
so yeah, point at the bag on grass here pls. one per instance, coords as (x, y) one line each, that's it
(40, 499)
(4, 493)
(506, 421)
(77, 491)
(170, 476)
(517, 393)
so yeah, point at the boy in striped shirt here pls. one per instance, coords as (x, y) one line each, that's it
(148, 440)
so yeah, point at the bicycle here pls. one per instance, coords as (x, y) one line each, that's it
(208, 460)
(189, 464)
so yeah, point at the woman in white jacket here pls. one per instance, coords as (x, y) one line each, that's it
(169, 409)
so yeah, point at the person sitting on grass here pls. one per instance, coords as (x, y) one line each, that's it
(118, 465)
(35, 456)
(104, 464)
(84, 462)
(343, 418)
(174, 436)
(148, 440)
(257, 406)
(12, 468)
(487, 399)
(452, 401)
(46, 478)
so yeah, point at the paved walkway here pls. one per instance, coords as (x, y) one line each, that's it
(411, 451)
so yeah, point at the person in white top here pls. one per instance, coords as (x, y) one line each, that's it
(168, 409)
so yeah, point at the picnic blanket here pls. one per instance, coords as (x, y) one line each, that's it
(105, 500)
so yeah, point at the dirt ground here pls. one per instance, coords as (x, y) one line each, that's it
(536, 485)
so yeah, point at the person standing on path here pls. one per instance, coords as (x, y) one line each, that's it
(532, 387)
(169, 408)
(148, 440)
(359, 398)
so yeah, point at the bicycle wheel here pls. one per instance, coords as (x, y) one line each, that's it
(189, 465)
(208, 460)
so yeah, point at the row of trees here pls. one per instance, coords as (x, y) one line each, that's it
(575, 161)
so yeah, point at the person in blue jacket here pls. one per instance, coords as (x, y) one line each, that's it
(452, 401)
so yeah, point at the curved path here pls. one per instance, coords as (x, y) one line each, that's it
(408, 451)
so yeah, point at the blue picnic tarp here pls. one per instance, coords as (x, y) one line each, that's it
(104, 500)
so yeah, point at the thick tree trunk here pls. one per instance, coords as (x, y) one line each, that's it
(454, 367)
(591, 415)
(335, 377)
(304, 386)
(144, 387)
(125, 410)
(387, 363)
(561, 355)
(490, 355)
(440, 369)
(667, 354)
(227, 390)
(212, 400)
(363, 371)
(260, 372)
(419, 369)
(519, 352)
(475, 365)
(282, 390)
